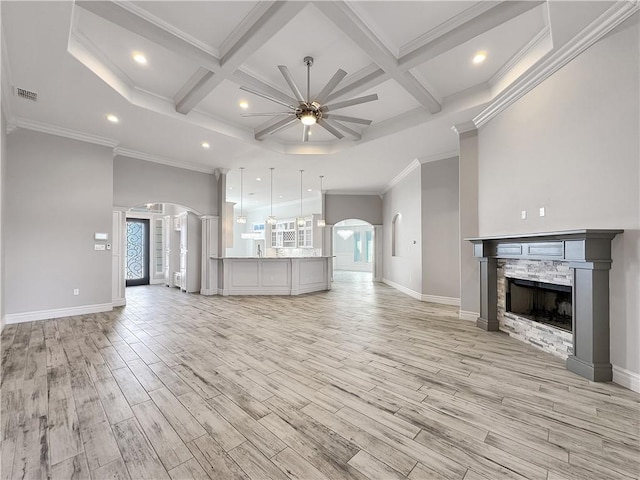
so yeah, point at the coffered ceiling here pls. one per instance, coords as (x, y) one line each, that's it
(417, 56)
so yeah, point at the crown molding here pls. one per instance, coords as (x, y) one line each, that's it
(597, 29)
(415, 163)
(63, 132)
(350, 192)
(519, 55)
(6, 80)
(148, 157)
(464, 127)
(438, 156)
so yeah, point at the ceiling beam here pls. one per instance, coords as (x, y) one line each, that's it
(387, 66)
(264, 21)
(343, 16)
(129, 20)
(194, 91)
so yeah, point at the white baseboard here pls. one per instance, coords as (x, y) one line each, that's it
(209, 291)
(403, 289)
(441, 300)
(119, 302)
(470, 316)
(626, 378)
(57, 313)
(156, 281)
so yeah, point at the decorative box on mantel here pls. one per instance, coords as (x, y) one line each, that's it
(587, 253)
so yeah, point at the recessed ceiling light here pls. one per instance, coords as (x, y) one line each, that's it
(258, 179)
(281, 196)
(230, 188)
(309, 190)
(139, 58)
(112, 118)
(244, 104)
(205, 145)
(479, 57)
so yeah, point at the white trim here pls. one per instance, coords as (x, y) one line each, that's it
(519, 55)
(403, 289)
(597, 29)
(464, 127)
(441, 300)
(57, 313)
(438, 156)
(351, 192)
(210, 291)
(119, 302)
(156, 281)
(63, 132)
(469, 316)
(125, 152)
(626, 378)
(6, 79)
(406, 171)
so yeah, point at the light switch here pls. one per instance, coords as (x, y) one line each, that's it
(523, 214)
(542, 211)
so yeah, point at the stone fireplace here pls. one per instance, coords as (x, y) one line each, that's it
(550, 290)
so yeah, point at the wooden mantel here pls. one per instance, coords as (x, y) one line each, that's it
(588, 253)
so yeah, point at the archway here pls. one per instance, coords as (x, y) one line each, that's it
(173, 250)
(353, 248)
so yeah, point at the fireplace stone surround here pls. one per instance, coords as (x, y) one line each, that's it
(587, 253)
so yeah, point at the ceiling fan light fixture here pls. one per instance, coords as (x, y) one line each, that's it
(308, 118)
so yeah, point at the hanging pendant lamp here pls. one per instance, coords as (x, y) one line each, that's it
(271, 220)
(241, 218)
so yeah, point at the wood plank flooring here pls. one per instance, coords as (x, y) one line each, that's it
(359, 382)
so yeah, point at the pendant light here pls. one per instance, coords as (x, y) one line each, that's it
(301, 221)
(241, 218)
(271, 220)
(321, 222)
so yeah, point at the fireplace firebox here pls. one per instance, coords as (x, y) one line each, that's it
(541, 302)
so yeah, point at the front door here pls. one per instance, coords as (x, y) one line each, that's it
(137, 262)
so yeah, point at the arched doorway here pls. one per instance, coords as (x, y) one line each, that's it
(156, 243)
(353, 248)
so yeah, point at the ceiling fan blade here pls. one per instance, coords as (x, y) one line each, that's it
(266, 114)
(268, 97)
(344, 118)
(305, 133)
(330, 86)
(348, 103)
(324, 124)
(279, 125)
(292, 84)
(344, 128)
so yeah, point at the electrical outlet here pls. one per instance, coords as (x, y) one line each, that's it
(99, 246)
(76, 291)
(523, 214)
(542, 212)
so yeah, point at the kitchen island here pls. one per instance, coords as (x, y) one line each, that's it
(273, 275)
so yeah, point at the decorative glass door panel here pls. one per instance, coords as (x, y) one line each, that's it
(137, 259)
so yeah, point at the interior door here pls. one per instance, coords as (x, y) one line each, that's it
(137, 258)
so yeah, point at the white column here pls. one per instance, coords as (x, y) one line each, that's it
(469, 268)
(223, 221)
(377, 253)
(209, 279)
(327, 248)
(118, 242)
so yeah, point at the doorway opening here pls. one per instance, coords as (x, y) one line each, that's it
(137, 252)
(353, 250)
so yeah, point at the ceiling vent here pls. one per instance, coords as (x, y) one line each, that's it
(26, 94)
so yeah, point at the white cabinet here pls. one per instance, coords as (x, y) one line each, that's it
(287, 234)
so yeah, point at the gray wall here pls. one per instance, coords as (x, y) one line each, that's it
(404, 269)
(571, 146)
(59, 192)
(136, 182)
(343, 207)
(440, 229)
(3, 170)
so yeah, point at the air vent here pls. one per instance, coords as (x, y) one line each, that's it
(26, 94)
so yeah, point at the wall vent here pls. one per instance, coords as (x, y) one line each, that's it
(27, 94)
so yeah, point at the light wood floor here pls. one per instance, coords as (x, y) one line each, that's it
(360, 382)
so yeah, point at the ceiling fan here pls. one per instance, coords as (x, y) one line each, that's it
(311, 110)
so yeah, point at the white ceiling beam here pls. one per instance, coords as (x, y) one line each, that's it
(264, 21)
(343, 16)
(129, 20)
(492, 18)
